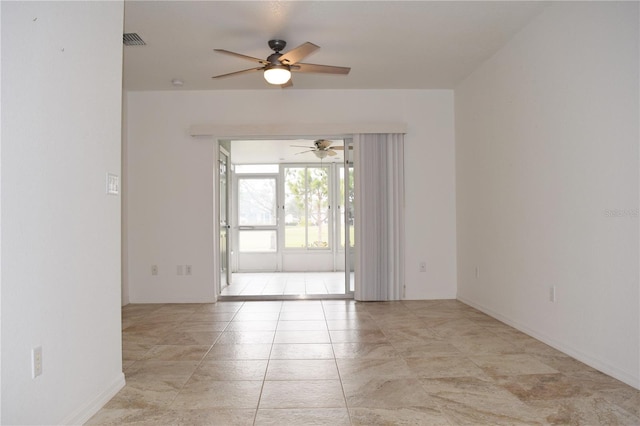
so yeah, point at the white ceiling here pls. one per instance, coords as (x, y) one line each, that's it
(387, 44)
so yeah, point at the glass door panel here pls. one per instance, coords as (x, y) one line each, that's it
(307, 209)
(257, 223)
(223, 176)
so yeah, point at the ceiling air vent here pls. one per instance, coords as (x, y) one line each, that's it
(132, 39)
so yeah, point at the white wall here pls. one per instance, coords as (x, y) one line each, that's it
(61, 115)
(170, 179)
(546, 149)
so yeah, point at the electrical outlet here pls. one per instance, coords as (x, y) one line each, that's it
(552, 294)
(36, 362)
(180, 270)
(187, 269)
(423, 266)
(154, 269)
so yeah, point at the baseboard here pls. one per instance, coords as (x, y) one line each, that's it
(599, 365)
(88, 410)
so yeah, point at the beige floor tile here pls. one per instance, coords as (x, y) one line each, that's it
(511, 365)
(209, 417)
(246, 369)
(352, 324)
(625, 397)
(302, 325)
(311, 336)
(374, 368)
(303, 416)
(200, 326)
(427, 349)
(447, 366)
(430, 362)
(252, 326)
(245, 337)
(256, 316)
(271, 306)
(385, 393)
(405, 416)
(177, 353)
(302, 351)
(122, 416)
(302, 394)
(543, 386)
(134, 352)
(191, 338)
(355, 336)
(201, 393)
(483, 344)
(473, 401)
(347, 314)
(417, 335)
(302, 369)
(177, 371)
(584, 411)
(314, 315)
(146, 394)
(248, 351)
(213, 316)
(364, 350)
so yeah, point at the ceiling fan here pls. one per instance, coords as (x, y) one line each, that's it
(278, 66)
(321, 148)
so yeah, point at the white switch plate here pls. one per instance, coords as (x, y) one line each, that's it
(36, 362)
(113, 184)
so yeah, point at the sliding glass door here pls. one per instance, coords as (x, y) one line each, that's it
(257, 223)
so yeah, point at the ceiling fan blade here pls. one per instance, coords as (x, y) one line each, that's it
(341, 148)
(299, 53)
(331, 152)
(325, 69)
(287, 84)
(239, 55)
(238, 72)
(300, 146)
(304, 152)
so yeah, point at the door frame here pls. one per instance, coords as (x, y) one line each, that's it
(349, 254)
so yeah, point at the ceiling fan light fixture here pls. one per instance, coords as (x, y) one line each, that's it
(321, 154)
(277, 74)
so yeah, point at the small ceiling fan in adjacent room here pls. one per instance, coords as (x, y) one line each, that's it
(279, 66)
(321, 148)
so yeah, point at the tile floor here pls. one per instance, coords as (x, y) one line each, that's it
(346, 363)
(286, 283)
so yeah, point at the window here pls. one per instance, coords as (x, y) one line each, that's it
(346, 208)
(257, 215)
(307, 208)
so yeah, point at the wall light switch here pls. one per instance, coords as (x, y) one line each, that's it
(36, 362)
(113, 184)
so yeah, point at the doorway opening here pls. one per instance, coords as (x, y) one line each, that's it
(287, 229)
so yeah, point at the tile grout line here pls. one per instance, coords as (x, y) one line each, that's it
(203, 357)
(264, 378)
(335, 360)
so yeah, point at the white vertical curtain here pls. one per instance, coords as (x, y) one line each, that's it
(379, 205)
